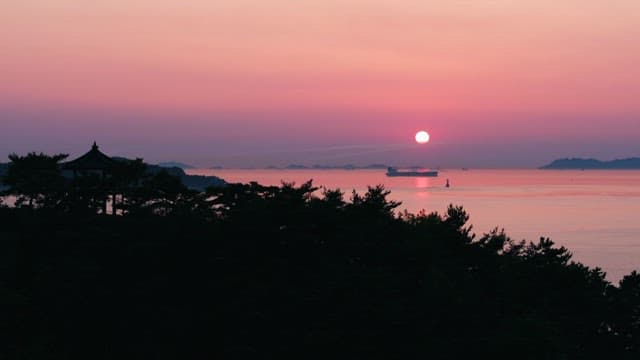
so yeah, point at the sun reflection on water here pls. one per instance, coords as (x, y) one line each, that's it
(422, 182)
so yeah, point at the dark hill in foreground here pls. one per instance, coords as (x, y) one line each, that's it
(246, 271)
(249, 271)
(579, 163)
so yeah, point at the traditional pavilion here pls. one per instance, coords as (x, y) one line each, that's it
(93, 162)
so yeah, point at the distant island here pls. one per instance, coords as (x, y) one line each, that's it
(580, 163)
(329, 167)
(170, 164)
(295, 167)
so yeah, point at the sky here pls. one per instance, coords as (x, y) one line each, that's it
(497, 83)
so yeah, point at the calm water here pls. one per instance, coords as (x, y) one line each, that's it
(593, 213)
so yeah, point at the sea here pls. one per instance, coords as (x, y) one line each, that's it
(594, 213)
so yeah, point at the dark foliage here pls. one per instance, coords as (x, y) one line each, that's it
(263, 271)
(35, 179)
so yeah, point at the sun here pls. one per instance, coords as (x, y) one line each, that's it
(422, 137)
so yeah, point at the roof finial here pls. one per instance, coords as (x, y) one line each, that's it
(95, 146)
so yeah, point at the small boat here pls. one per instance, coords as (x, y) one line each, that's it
(391, 171)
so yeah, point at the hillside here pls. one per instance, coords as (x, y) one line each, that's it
(196, 182)
(169, 164)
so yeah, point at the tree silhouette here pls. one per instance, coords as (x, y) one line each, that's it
(127, 176)
(375, 201)
(35, 179)
(250, 269)
(160, 192)
(626, 311)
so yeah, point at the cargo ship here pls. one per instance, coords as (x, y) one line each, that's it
(391, 171)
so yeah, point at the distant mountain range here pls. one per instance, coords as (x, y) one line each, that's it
(329, 167)
(579, 163)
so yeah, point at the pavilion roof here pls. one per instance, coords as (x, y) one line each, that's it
(93, 160)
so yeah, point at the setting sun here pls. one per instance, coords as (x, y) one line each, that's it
(422, 137)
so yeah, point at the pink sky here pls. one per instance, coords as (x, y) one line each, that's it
(251, 82)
